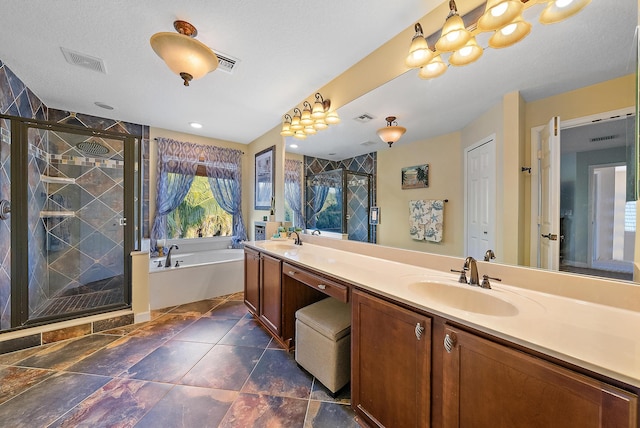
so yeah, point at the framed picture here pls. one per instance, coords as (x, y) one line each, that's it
(265, 171)
(415, 177)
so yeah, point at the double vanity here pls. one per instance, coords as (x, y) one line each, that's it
(427, 350)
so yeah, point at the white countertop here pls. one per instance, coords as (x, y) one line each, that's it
(600, 338)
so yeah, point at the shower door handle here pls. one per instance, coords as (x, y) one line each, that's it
(5, 209)
(123, 221)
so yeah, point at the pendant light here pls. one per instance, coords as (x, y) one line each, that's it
(559, 10)
(183, 54)
(392, 132)
(510, 34)
(419, 52)
(499, 13)
(467, 54)
(435, 68)
(454, 34)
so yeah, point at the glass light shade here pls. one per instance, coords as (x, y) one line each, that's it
(466, 55)
(286, 130)
(184, 54)
(332, 118)
(306, 119)
(295, 123)
(499, 13)
(391, 134)
(559, 10)
(318, 110)
(300, 135)
(510, 34)
(435, 68)
(454, 34)
(320, 124)
(419, 52)
(309, 130)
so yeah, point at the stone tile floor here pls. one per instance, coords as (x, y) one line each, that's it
(203, 364)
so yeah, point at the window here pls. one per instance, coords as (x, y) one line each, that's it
(199, 215)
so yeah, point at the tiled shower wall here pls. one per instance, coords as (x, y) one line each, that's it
(16, 100)
(366, 163)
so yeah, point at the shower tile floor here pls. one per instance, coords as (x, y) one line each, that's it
(203, 364)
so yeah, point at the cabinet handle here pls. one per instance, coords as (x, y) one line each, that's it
(449, 342)
(291, 273)
(322, 286)
(419, 330)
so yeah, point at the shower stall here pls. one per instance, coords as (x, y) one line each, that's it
(338, 201)
(68, 214)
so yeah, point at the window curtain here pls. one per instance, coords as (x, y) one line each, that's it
(181, 161)
(293, 190)
(224, 169)
(319, 197)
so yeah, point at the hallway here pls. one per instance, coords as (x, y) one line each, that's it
(207, 363)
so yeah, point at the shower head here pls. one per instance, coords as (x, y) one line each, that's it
(92, 148)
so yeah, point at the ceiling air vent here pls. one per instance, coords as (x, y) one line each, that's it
(82, 60)
(605, 138)
(364, 118)
(226, 62)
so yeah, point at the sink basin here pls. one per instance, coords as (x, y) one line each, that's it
(465, 298)
(279, 245)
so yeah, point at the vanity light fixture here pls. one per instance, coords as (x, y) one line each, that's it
(392, 132)
(419, 52)
(559, 10)
(295, 122)
(454, 34)
(310, 120)
(320, 107)
(183, 54)
(286, 127)
(502, 17)
(306, 119)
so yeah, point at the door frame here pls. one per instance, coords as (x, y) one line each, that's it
(487, 140)
(536, 132)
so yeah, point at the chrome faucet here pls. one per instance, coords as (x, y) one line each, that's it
(297, 241)
(470, 265)
(489, 255)
(167, 262)
(314, 232)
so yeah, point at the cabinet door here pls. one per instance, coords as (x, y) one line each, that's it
(490, 385)
(252, 280)
(391, 362)
(271, 293)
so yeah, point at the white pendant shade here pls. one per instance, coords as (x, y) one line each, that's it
(499, 13)
(184, 55)
(419, 52)
(454, 35)
(559, 10)
(435, 68)
(510, 34)
(466, 55)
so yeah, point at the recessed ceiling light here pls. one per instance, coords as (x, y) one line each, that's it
(103, 105)
(293, 146)
(195, 125)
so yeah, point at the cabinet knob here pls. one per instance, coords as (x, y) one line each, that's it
(291, 273)
(449, 342)
(419, 330)
(322, 286)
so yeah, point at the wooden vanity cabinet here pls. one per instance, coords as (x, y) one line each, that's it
(486, 384)
(390, 363)
(252, 280)
(271, 293)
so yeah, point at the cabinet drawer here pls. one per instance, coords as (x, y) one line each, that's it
(328, 287)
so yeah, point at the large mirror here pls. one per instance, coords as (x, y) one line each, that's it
(581, 70)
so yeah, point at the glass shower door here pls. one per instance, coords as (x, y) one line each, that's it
(357, 203)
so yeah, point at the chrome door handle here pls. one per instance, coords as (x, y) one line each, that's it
(5, 209)
(550, 236)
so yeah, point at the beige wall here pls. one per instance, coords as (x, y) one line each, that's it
(247, 163)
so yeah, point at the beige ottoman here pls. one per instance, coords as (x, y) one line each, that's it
(323, 342)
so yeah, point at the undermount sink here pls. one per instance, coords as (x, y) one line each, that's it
(280, 245)
(465, 298)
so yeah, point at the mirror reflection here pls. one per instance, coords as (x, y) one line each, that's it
(581, 71)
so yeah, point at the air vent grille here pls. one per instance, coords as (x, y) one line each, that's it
(226, 63)
(364, 118)
(83, 60)
(605, 138)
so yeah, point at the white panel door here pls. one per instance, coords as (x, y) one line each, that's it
(549, 196)
(480, 185)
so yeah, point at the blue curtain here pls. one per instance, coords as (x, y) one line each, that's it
(319, 197)
(293, 190)
(224, 169)
(177, 165)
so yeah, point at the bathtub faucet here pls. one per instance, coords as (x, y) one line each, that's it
(167, 262)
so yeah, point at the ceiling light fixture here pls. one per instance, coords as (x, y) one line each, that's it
(183, 54)
(310, 120)
(195, 125)
(392, 132)
(502, 17)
